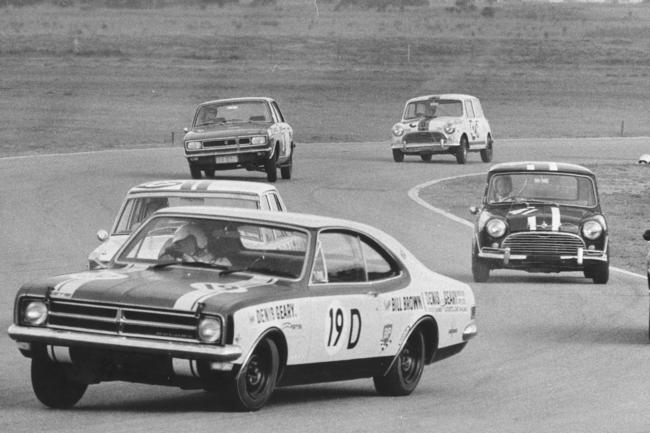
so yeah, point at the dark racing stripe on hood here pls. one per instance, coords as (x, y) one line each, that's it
(543, 217)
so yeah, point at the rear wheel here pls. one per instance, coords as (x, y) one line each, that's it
(195, 171)
(461, 152)
(398, 156)
(486, 154)
(254, 384)
(286, 170)
(52, 385)
(405, 373)
(272, 168)
(426, 157)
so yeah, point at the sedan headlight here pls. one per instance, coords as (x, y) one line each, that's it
(35, 313)
(592, 229)
(450, 128)
(398, 130)
(209, 329)
(260, 139)
(495, 227)
(193, 145)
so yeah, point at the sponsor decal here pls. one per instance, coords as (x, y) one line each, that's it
(276, 312)
(292, 326)
(385, 339)
(455, 301)
(406, 303)
(205, 290)
(67, 288)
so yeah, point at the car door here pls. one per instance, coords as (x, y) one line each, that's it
(345, 308)
(482, 122)
(471, 122)
(285, 130)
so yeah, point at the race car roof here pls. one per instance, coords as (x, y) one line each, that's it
(205, 185)
(460, 96)
(562, 167)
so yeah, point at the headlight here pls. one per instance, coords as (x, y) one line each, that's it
(35, 313)
(450, 128)
(209, 329)
(193, 145)
(260, 139)
(592, 229)
(495, 228)
(398, 130)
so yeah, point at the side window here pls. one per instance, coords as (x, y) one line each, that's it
(478, 109)
(274, 202)
(469, 108)
(341, 259)
(277, 110)
(379, 264)
(264, 203)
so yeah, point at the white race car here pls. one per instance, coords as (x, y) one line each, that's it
(273, 299)
(142, 200)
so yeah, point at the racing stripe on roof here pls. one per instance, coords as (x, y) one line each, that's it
(187, 186)
(203, 186)
(530, 167)
(552, 166)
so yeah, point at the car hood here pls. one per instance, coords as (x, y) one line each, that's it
(430, 124)
(551, 217)
(175, 287)
(227, 130)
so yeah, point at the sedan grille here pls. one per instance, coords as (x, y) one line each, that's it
(423, 137)
(126, 321)
(543, 243)
(228, 142)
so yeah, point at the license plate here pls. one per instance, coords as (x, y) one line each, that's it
(225, 159)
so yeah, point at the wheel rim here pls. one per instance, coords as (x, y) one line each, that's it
(257, 375)
(410, 362)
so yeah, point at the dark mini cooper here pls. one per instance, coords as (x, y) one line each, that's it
(540, 217)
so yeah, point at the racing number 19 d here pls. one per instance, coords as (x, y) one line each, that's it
(337, 325)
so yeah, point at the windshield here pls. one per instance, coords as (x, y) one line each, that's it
(556, 188)
(433, 108)
(138, 209)
(232, 112)
(226, 245)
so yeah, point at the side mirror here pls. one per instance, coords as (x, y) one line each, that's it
(646, 235)
(474, 210)
(102, 235)
(186, 130)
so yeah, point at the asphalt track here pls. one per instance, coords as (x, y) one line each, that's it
(554, 353)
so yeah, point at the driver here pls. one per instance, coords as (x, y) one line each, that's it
(189, 243)
(502, 188)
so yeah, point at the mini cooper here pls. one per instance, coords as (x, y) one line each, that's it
(143, 200)
(439, 124)
(540, 217)
(237, 302)
(239, 132)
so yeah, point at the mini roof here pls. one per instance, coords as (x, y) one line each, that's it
(562, 167)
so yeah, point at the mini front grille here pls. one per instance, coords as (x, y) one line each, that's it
(423, 137)
(543, 243)
(119, 320)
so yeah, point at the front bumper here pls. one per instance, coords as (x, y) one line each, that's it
(504, 257)
(176, 349)
(424, 142)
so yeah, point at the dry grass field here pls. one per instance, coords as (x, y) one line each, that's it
(85, 77)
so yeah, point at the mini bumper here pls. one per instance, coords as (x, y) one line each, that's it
(55, 337)
(504, 255)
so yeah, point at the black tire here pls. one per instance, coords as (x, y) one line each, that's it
(461, 152)
(52, 385)
(599, 272)
(486, 154)
(480, 268)
(426, 157)
(272, 168)
(398, 156)
(405, 373)
(195, 171)
(285, 170)
(209, 172)
(253, 386)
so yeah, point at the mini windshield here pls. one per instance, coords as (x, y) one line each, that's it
(232, 112)
(547, 187)
(433, 108)
(231, 246)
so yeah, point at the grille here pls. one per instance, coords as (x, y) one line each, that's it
(543, 243)
(127, 321)
(227, 142)
(423, 137)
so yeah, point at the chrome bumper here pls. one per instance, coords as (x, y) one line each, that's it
(504, 255)
(177, 349)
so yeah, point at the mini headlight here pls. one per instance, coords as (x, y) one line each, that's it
(398, 130)
(193, 145)
(260, 139)
(209, 329)
(495, 228)
(35, 313)
(450, 128)
(592, 229)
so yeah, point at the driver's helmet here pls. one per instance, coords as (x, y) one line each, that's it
(191, 229)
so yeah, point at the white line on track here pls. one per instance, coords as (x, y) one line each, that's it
(414, 194)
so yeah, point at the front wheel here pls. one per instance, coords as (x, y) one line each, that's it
(426, 157)
(52, 385)
(486, 154)
(406, 371)
(480, 269)
(599, 272)
(195, 171)
(209, 172)
(461, 152)
(272, 168)
(253, 386)
(398, 156)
